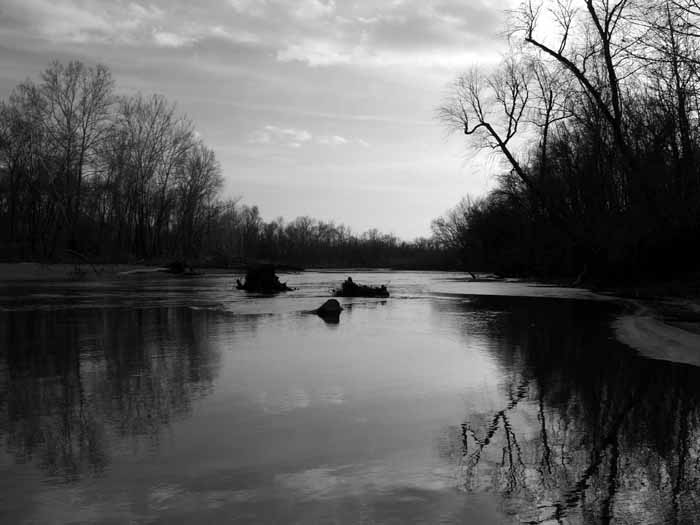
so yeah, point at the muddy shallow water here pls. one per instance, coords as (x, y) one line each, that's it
(170, 400)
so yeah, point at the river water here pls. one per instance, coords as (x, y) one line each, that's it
(166, 400)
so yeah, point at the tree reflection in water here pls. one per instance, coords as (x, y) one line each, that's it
(77, 387)
(586, 431)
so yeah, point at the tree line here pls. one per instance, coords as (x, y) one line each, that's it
(85, 169)
(595, 111)
(121, 178)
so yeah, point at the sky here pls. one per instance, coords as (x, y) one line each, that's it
(323, 108)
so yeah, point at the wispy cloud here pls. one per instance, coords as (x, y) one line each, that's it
(313, 9)
(446, 33)
(167, 39)
(125, 23)
(316, 53)
(294, 138)
(299, 9)
(337, 140)
(254, 8)
(333, 140)
(80, 22)
(235, 36)
(318, 33)
(278, 136)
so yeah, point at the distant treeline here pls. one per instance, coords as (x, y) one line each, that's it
(126, 178)
(596, 110)
(307, 242)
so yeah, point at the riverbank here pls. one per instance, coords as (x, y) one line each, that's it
(32, 271)
(662, 318)
(662, 327)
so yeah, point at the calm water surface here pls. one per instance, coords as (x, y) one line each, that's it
(142, 400)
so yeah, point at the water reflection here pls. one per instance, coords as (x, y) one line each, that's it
(586, 431)
(261, 411)
(330, 318)
(77, 388)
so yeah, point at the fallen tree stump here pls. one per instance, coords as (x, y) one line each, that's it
(180, 268)
(262, 279)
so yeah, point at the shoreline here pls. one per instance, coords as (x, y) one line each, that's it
(34, 271)
(662, 328)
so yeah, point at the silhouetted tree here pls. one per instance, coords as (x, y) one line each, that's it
(597, 115)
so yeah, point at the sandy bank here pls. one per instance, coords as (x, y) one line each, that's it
(668, 330)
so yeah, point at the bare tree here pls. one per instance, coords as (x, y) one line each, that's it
(77, 103)
(671, 56)
(592, 46)
(552, 103)
(491, 106)
(198, 181)
(30, 196)
(156, 142)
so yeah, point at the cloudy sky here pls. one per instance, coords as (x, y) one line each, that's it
(314, 107)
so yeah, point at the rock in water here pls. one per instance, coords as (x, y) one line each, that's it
(331, 306)
(330, 311)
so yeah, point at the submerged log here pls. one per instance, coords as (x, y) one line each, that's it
(180, 268)
(350, 289)
(262, 279)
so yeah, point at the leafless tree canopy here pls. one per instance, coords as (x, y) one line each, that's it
(595, 113)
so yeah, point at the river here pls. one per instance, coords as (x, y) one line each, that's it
(147, 399)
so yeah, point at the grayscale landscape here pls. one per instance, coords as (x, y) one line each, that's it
(317, 262)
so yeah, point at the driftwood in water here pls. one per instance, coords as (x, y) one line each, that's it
(180, 268)
(78, 272)
(262, 279)
(581, 276)
(350, 289)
